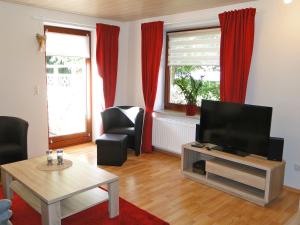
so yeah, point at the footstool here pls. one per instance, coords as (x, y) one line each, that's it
(111, 149)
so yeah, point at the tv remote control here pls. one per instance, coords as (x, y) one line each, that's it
(198, 145)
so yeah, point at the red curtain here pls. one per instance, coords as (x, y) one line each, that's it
(237, 37)
(107, 59)
(152, 40)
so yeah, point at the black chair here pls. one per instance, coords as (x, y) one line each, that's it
(13, 139)
(125, 120)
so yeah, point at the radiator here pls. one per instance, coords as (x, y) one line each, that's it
(170, 132)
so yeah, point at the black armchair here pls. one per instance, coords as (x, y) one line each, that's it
(13, 139)
(125, 120)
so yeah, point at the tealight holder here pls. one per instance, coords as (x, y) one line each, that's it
(60, 158)
(49, 158)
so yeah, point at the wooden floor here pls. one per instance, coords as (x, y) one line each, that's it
(153, 182)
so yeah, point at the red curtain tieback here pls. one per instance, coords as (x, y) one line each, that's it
(149, 110)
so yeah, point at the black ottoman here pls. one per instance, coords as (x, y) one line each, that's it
(111, 149)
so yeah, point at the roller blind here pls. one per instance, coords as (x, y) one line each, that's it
(199, 47)
(67, 45)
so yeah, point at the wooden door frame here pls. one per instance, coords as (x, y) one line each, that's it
(84, 137)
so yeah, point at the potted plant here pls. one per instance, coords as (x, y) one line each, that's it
(191, 89)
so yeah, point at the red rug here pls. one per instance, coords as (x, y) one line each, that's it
(130, 214)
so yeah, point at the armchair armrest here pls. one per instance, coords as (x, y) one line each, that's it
(107, 122)
(138, 127)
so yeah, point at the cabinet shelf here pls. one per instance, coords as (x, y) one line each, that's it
(252, 177)
(256, 195)
(241, 173)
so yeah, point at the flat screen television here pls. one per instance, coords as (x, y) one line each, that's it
(236, 128)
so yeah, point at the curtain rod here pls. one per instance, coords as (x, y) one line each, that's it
(91, 26)
(46, 20)
(198, 21)
(191, 22)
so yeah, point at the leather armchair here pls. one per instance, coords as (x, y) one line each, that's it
(13, 139)
(125, 120)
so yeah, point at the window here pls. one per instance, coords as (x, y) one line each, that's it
(192, 54)
(68, 86)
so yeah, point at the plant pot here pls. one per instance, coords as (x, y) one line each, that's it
(191, 110)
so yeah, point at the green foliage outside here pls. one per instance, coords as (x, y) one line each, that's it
(185, 70)
(67, 61)
(63, 60)
(64, 70)
(50, 70)
(210, 90)
(192, 88)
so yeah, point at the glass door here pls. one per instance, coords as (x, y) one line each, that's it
(68, 86)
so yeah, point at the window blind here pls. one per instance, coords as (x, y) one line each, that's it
(67, 45)
(199, 47)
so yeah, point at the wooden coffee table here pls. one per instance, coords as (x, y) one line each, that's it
(59, 194)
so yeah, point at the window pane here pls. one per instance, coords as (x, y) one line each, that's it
(193, 61)
(208, 75)
(67, 45)
(67, 83)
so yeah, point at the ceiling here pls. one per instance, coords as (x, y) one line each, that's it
(125, 10)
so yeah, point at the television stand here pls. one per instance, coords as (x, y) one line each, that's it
(252, 177)
(230, 150)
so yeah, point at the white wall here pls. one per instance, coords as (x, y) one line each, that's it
(274, 77)
(22, 68)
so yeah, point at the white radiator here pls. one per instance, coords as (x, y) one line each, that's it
(170, 132)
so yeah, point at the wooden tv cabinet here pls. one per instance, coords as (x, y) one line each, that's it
(251, 177)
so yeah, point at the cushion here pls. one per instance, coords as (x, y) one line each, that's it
(131, 113)
(5, 204)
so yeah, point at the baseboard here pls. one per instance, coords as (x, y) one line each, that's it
(167, 152)
(292, 189)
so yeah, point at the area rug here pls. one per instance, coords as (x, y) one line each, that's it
(130, 214)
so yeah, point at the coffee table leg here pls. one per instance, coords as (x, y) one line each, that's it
(113, 200)
(51, 214)
(6, 181)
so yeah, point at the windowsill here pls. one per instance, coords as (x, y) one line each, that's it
(171, 113)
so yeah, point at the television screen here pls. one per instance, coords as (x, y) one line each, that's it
(236, 127)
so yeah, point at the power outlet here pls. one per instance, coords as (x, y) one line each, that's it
(297, 167)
